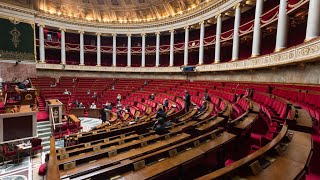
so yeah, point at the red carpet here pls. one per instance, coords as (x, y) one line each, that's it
(42, 116)
(314, 170)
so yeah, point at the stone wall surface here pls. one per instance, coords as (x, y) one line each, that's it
(9, 70)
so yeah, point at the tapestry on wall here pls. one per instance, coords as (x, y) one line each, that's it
(17, 40)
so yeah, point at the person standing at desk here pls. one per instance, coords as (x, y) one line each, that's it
(187, 100)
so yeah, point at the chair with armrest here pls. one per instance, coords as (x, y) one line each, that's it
(7, 154)
(36, 145)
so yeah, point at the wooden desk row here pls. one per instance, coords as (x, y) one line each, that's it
(101, 160)
(163, 160)
(234, 168)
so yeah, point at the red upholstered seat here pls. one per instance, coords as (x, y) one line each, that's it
(228, 162)
(7, 154)
(36, 144)
(42, 169)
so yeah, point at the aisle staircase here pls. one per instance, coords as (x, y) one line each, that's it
(42, 114)
(44, 132)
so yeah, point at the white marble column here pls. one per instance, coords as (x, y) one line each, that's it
(41, 44)
(98, 49)
(218, 37)
(143, 50)
(171, 47)
(114, 50)
(201, 43)
(129, 51)
(63, 46)
(282, 27)
(235, 44)
(81, 48)
(186, 46)
(313, 24)
(256, 43)
(158, 49)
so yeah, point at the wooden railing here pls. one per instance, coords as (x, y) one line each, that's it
(53, 169)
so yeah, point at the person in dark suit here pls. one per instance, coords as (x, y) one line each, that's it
(203, 107)
(187, 100)
(159, 126)
(161, 113)
(24, 84)
(207, 97)
(165, 104)
(151, 97)
(103, 115)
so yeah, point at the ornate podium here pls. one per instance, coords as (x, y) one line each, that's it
(54, 107)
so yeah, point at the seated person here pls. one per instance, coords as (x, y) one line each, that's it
(1, 82)
(207, 97)
(165, 104)
(88, 92)
(161, 114)
(76, 102)
(80, 105)
(145, 83)
(151, 97)
(24, 84)
(108, 106)
(118, 97)
(15, 80)
(66, 92)
(247, 93)
(53, 84)
(203, 107)
(159, 126)
(95, 95)
(127, 109)
(119, 109)
(93, 106)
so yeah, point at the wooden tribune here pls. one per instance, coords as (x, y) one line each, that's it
(94, 113)
(78, 112)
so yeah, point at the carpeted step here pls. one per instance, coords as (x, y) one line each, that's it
(42, 116)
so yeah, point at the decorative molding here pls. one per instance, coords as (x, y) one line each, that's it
(202, 13)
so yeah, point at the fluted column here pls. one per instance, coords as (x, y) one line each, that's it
(313, 24)
(98, 49)
(158, 49)
(218, 37)
(114, 50)
(41, 44)
(186, 45)
(282, 27)
(256, 43)
(81, 48)
(171, 47)
(129, 51)
(235, 44)
(143, 51)
(201, 43)
(63, 46)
